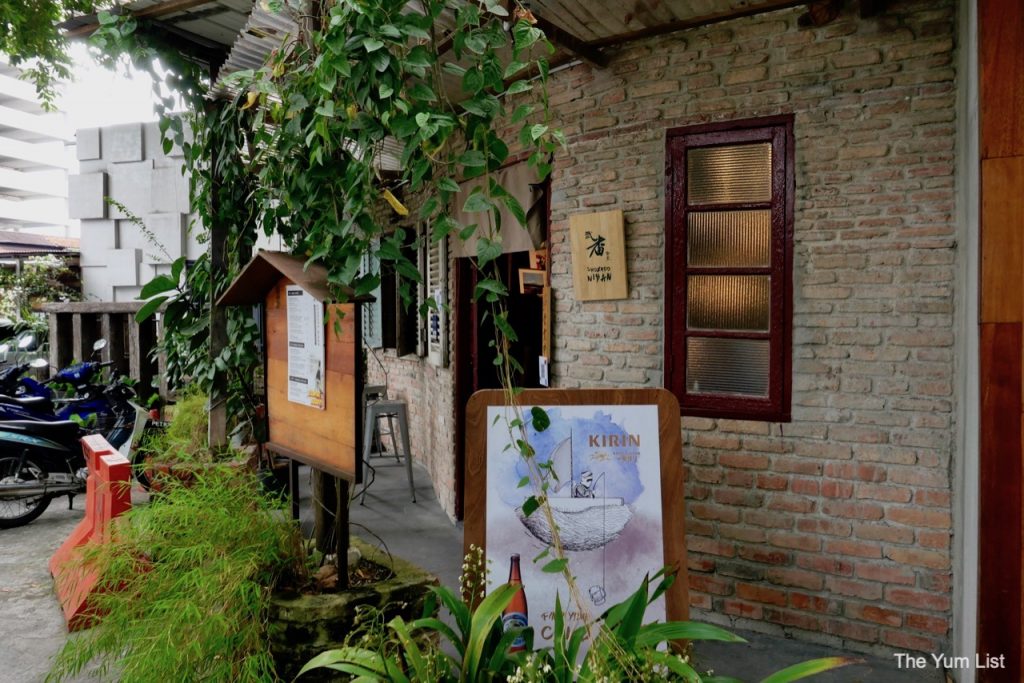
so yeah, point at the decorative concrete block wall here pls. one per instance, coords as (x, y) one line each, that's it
(126, 163)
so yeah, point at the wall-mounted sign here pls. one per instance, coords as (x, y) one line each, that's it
(598, 256)
(305, 348)
(615, 495)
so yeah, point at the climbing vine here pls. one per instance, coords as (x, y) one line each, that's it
(297, 151)
(220, 194)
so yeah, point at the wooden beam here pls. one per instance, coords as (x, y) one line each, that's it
(820, 13)
(160, 9)
(575, 45)
(696, 22)
(871, 8)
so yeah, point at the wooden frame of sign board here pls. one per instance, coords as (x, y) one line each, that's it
(321, 427)
(598, 246)
(670, 448)
(324, 439)
(327, 439)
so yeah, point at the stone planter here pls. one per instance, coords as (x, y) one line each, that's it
(158, 473)
(302, 627)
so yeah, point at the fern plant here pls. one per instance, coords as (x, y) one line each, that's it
(185, 586)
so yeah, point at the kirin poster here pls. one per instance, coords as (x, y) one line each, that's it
(606, 502)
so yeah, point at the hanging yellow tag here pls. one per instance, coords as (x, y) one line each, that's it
(398, 206)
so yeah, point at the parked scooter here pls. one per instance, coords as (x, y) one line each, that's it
(38, 461)
(24, 398)
(41, 460)
(79, 376)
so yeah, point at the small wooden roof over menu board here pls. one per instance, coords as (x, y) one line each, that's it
(267, 267)
(324, 430)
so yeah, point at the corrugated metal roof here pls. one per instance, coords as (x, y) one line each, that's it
(594, 23)
(263, 33)
(14, 243)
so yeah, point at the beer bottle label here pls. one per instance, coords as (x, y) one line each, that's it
(512, 620)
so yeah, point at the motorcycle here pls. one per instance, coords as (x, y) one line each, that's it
(41, 460)
(24, 398)
(14, 383)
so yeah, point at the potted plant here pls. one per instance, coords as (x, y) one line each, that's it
(181, 450)
(213, 581)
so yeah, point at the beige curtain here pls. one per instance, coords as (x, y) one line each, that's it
(517, 179)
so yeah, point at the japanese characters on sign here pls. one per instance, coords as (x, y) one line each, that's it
(598, 256)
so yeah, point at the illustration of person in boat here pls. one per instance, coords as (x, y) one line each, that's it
(586, 520)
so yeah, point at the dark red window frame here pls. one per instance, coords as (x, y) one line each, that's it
(777, 130)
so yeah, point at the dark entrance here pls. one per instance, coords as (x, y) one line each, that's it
(474, 356)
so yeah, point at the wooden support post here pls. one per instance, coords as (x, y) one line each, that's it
(77, 351)
(112, 328)
(293, 486)
(324, 511)
(341, 530)
(61, 339)
(218, 316)
(147, 342)
(107, 332)
(135, 350)
(161, 363)
(53, 321)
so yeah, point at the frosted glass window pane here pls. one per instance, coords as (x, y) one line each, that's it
(729, 238)
(737, 173)
(728, 302)
(727, 366)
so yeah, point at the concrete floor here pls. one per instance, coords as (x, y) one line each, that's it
(32, 627)
(31, 623)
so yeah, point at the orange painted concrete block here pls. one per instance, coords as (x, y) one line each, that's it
(107, 495)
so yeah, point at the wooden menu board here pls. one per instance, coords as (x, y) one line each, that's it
(324, 438)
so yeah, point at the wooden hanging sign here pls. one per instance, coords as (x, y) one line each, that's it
(598, 246)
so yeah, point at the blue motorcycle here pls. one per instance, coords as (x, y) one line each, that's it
(41, 460)
(24, 398)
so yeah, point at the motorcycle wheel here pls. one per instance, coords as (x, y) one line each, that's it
(140, 463)
(20, 511)
(142, 454)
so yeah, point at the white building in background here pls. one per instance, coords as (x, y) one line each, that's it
(33, 161)
(126, 164)
(124, 178)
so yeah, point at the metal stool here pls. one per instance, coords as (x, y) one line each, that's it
(391, 410)
(373, 393)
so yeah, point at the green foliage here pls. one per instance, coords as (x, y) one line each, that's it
(220, 195)
(185, 440)
(476, 648)
(42, 279)
(184, 586)
(29, 35)
(325, 104)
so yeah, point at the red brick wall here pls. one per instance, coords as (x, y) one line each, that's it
(429, 393)
(834, 527)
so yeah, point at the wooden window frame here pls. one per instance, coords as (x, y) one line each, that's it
(777, 130)
(387, 322)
